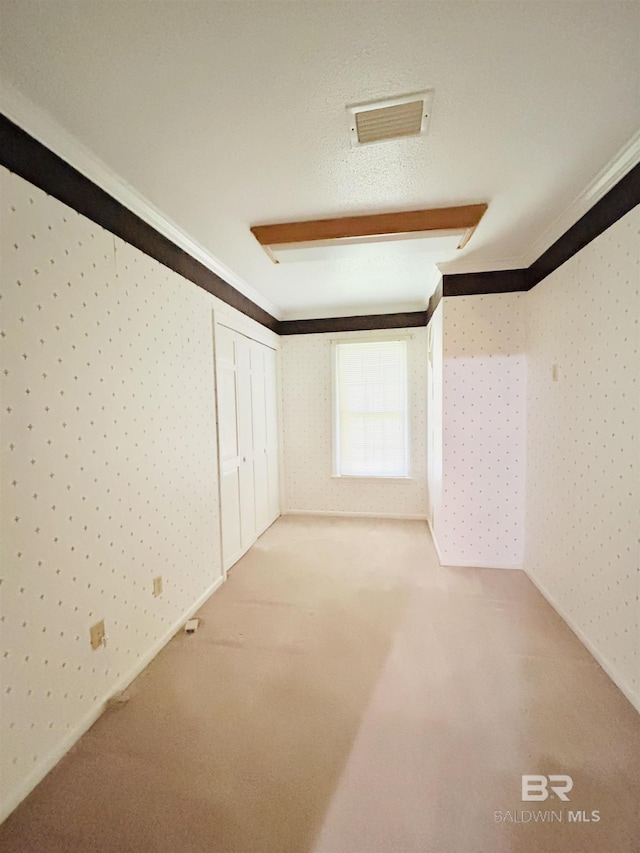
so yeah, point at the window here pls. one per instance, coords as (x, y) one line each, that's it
(371, 409)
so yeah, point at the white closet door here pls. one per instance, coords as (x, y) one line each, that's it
(245, 436)
(259, 411)
(272, 444)
(248, 439)
(229, 445)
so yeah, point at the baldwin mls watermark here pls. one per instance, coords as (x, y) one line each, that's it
(539, 789)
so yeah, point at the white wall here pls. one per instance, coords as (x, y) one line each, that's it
(583, 493)
(109, 466)
(307, 434)
(481, 516)
(109, 456)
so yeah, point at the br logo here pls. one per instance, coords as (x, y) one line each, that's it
(537, 787)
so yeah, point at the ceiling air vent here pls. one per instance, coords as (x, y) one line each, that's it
(394, 118)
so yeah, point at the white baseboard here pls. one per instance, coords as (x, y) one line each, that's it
(337, 514)
(597, 654)
(447, 560)
(268, 525)
(435, 541)
(240, 554)
(457, 562)
(50, 761)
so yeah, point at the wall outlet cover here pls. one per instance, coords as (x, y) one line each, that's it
(97, 633)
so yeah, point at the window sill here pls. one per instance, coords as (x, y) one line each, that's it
(377, 479)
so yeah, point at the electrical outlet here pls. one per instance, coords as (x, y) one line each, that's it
(157, 586)
(98, 633)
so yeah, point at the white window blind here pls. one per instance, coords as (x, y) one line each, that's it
(371, 409)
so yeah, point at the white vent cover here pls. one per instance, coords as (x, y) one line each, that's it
(394, 118)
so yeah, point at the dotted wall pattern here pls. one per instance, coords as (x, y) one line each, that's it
(583, 501)
(481, 519)
(308, 433)
(109, 465)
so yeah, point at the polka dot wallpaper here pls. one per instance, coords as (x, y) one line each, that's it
(109, 472)
(583, 502)
(109, 468)
(308, 434)
(481, 516)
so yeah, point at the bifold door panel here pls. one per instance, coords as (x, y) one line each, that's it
(248, 440)
(245, 441)
(259, 410)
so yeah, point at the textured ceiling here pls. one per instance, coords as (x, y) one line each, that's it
(227, 115)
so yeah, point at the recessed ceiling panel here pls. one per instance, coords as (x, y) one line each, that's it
(435, 245)
(346, 232)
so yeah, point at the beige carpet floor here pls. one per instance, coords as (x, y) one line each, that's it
(345, 694)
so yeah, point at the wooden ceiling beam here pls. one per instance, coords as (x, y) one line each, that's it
(377, 224)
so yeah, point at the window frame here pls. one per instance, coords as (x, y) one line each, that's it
(335, 432)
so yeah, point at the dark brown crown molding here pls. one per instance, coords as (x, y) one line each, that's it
(30, 159)
(34, 162)
(471, 284)
(365, 322)
(620, 199)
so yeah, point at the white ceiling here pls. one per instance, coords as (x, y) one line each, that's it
(223, 115)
